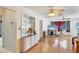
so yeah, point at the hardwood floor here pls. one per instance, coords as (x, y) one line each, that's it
(53, 44)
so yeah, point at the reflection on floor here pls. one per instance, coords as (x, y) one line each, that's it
(53, 44)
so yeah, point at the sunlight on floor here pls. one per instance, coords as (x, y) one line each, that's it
(62, 44)
(54, 44)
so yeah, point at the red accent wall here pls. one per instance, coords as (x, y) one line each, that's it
(59, 24)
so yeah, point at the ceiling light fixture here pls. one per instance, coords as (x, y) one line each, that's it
(54, 12)
(51, 12)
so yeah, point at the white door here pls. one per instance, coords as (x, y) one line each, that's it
(9, 28)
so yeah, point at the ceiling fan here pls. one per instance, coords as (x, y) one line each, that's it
(55, 11)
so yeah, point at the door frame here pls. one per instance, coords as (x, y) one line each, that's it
(2, 29)
(41, 27)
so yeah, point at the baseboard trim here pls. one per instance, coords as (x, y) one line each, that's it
(25, 51)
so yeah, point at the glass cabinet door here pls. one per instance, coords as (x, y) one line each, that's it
(25, 25)
(28, 25)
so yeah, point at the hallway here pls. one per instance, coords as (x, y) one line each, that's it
(53, 44)
(25, 26)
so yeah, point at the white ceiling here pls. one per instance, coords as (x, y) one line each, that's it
(43, 10)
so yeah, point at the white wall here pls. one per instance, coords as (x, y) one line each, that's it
(46, 21)
(73, 22)
(9, 30)
(45, 24)
(73, 29)
(19, 12)
(23, 10)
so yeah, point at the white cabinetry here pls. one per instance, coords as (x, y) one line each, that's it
(29, 42)
(33, 40)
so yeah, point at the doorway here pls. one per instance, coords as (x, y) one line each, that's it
(1, 35)
(59, 28)
(41, 29)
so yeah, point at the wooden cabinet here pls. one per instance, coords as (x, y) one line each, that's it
(77, 46)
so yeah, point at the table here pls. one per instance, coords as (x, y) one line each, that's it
(77, 45)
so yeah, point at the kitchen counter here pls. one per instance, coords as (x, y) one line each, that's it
(28, 36)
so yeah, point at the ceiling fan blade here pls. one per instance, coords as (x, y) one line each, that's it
(60, 10)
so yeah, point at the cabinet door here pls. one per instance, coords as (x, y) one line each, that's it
(27, 43)
(33, 40)
(37, 38)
